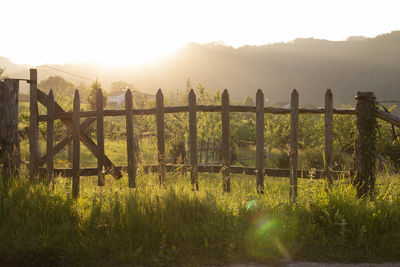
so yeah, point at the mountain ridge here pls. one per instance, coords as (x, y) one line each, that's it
(307, 64)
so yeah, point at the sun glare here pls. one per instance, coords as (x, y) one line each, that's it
(142, 32)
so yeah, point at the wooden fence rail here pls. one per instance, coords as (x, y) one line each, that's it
(105, 166)
(199, 108)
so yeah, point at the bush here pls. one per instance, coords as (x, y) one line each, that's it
(283, 160)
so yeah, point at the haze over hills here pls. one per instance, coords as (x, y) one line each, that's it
(309, 65)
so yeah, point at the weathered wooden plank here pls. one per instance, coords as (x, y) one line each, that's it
(160, 137)
(66, 141)
(225, 141)
(390, 118)
(76, 146)
(34, 149)
(329, 135)
(260, 141)
(214, 148)
(200, 108)
(85, 139)
(50, 138)
(207, 149)
(129, 140)
(100, 137)
(193, 139)
(294, 140)
(201, 149)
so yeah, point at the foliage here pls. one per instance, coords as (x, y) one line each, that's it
(249, 101)
(152, 226)
(58, 84)
(91, 98)
(2, 76)
(177, 151)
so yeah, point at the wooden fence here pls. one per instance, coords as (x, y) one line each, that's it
(105, 166)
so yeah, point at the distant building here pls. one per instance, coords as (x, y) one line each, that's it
(118, 97)
(282, 104)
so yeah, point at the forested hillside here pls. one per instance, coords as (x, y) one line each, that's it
(309, 65)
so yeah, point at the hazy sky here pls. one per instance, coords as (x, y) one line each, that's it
(135, 32)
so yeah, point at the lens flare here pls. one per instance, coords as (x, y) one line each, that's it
(251, 205)
(264, 237)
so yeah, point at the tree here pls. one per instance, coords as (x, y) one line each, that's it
(58, 84)
(91, 98)
(2, 76)
(248, 101)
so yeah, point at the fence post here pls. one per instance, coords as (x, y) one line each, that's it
(100, 137)
(76, 145)
(225, 142)
(50, 137)
(160, 137)
(9, 139)
(294, 136)
(193, 139)
(34, 149)
(365, 145)
(260, 141)
(129, 140)
(329, 136)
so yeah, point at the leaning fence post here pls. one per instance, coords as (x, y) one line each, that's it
(294, 137)
(100, 137)
(329, 136)
(129, 140)
(76, 145)
(365, 145)
(50, 137)
(160, 136)
(34, 152)
(225, 142)
(260, 141)
(193, 139)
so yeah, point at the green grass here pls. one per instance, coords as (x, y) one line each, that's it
(153, 226)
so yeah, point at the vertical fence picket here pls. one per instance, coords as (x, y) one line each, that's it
(193, 139)
(260, 141)
(76, 145)
(201, 150)
(226, 142)
(213, 155)
(160, 136)
(50, 137)
(100, 137)
(207, 150)
(294, 139)
(34, 155)
(129, 140)
(69, 149)
(328, 136)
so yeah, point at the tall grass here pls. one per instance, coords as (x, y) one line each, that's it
(152, 226)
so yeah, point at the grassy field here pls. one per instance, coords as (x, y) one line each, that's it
(153, 226)
(116, 151)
